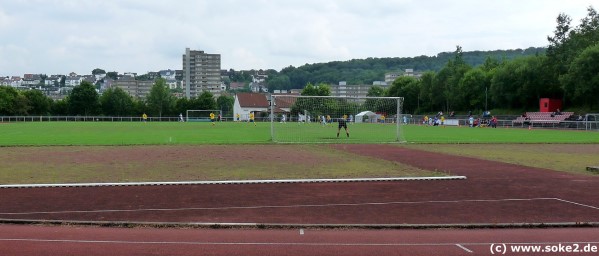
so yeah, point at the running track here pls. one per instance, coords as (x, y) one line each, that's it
(494, 193)
(72, 240)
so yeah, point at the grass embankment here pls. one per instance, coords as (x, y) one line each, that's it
(572, 158)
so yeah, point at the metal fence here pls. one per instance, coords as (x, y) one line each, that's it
(86, 119)
(103, 119)
(508, 121)
(502, 121)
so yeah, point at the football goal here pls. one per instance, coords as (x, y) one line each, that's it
(322, 119)
(201, 115)
(591, 121)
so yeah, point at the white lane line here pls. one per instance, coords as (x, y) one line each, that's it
(230, 182)
(464, 248)
(219, 243)
(579, 204)
(283, 243)
(276, 206)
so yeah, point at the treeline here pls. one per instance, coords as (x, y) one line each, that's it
(365, 71)
(569, 71)
(84, 100)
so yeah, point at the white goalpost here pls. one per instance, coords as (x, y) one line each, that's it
(329, 119)
(192, 115)
(591, 121)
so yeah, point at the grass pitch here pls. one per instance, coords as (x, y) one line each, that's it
(76, 164)
(199, 133)
(32, 152)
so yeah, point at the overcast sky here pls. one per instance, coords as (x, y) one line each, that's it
(63, 36)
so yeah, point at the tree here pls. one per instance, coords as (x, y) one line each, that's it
(425, 98)
(204, 101)
(83, 100)
(582, 80)
(182, 105)
(140, 106)
(473, 90)
(447, 80)
(315, 106)
(320, 90)
(39, 103)
(376, 91)
(12, 102)
(160, 100)
(490, 64)
(60, 107)
(116, 102)
(98, 71)
(225, 104)
(408, 88)
(112, 75)
(503, 91)
(62, 81)
(567, 44)
(280, 82)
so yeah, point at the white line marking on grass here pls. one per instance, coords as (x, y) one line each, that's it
(276, 206)
(579, 204)
(464, 248)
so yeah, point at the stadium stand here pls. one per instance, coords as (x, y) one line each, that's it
(542, 118)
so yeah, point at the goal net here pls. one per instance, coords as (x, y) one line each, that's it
(201, 115)
(316, 119)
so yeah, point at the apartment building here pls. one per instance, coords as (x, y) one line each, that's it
(135, 88)
(201, 73)
(353, 90)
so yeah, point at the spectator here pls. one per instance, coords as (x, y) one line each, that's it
(558, 112)
(493, 122)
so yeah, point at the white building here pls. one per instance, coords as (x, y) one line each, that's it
(72, 81)
(246, 103)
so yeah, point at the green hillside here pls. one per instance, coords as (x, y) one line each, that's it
(365, 71)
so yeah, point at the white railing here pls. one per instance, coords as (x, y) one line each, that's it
(86, 119)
